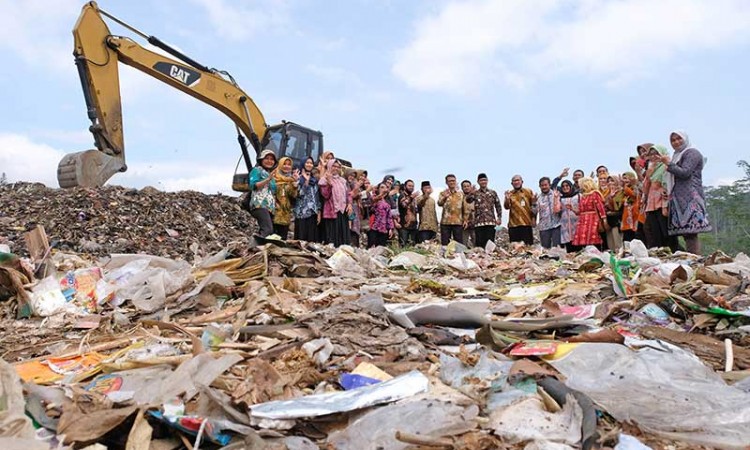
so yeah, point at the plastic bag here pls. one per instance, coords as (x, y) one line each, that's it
(638, 249)
(460, 262)
(662, 388)
(47, 299)
(409, 261)
(344, 263)
(145, 280)
(393, 390)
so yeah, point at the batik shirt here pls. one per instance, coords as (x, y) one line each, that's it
(407, 208)
(453, 208)
(308, 199)
(263, 197)
(468, 212)
(427, 214)
(548, 218)
(519, 205)
(485, 202)
(286, 192)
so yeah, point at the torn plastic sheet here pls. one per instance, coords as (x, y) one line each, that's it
(144, 279)
(528, 420)
(662, 388)
(398, 388)
(408, 260)
(214, 277)
(463, 313)
(426, 417)
(489, 374)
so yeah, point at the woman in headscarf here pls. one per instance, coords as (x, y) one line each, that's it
(613, 203)
(354, 185)
(591, 215)
(382, 223)
(286, 193)
(630, 206)
(262, 202)
(569, 199)
(337, 205)
(307, 206)
(655, 197)
(602, 177)
(325, 158)
(687, 203)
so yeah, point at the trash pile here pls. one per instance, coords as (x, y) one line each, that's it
(115, 219)
(294, 345)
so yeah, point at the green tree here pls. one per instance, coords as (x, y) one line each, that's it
(729, 212)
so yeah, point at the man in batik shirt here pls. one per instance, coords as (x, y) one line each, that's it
(452, 220)
(428, 223)
(488, 211)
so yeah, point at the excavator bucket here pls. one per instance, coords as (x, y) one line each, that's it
(90, 168)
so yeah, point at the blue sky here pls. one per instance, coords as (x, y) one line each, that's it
(428, 86)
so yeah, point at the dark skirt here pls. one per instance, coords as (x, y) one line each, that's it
(336, 231)
(306, 229)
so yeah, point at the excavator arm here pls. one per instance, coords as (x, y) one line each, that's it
(97, 54)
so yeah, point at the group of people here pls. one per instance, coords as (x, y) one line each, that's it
(660, 199)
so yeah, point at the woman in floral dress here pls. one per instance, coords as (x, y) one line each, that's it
(262, 203)
(591, 213)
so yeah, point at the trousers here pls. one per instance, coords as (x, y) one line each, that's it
(265, 222)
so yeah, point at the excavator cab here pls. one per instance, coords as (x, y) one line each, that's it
(294, 141)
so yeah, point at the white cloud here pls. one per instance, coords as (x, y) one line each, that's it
(22, 159)
(239, 20)
(469, 43)
(38, 31)
(335, 75)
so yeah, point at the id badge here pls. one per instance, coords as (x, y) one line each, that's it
(523, 203)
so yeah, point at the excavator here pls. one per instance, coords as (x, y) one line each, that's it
(97, 53)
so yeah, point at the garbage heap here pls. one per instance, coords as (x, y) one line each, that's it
(292, 345)
(115, 219)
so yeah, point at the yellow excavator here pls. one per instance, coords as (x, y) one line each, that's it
(97, 54)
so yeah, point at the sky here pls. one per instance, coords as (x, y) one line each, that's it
(419, 88)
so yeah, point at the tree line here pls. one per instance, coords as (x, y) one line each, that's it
(729, 212)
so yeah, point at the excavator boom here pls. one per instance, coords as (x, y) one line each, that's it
(97, 54)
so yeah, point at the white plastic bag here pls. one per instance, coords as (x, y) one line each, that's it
(47, 299)
(662, 388)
